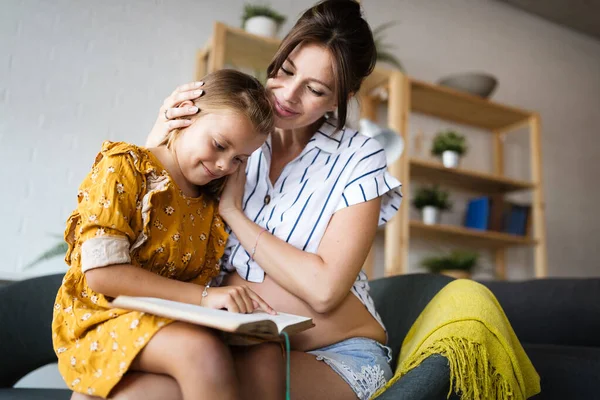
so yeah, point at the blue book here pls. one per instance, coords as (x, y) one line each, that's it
(517, 220)
(478, 211)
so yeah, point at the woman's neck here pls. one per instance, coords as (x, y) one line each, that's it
(288, 143)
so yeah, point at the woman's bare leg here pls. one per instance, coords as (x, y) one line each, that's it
(314, 380)
(260, 370)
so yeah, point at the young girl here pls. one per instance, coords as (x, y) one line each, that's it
(146, 224)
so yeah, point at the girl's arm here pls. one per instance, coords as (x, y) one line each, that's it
(129, 280)
(323, 279)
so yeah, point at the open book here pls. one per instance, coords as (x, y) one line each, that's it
(258, 324)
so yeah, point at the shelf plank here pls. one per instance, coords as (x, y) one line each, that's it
(243, 49)
(473, 181)
(449, 104)
(470, 236)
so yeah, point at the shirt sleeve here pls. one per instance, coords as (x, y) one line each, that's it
(370, 179)
(108, 202)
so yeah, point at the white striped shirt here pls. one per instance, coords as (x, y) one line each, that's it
(335, 170)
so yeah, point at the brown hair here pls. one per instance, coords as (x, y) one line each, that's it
(339, 26)
(232, 90)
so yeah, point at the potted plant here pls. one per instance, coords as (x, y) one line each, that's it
(450, 145)
(457, 264)
(261, 20)
(431, 201)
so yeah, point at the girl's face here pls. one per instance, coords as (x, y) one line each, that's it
(303, 89)
(215, 145)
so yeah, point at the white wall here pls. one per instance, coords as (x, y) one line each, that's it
(75, 73)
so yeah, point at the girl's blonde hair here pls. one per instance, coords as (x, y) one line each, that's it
(235, 91)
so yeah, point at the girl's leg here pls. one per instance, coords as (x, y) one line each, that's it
(141, 385)
(195, 357)
(314, 380)
(260, 370)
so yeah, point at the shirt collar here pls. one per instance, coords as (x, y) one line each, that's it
(327, 138)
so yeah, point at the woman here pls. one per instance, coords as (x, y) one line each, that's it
(302, 228)
(319, 190)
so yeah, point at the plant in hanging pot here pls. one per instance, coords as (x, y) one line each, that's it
(261, 20)
(457, 263)
(431, 201)
(450, 145)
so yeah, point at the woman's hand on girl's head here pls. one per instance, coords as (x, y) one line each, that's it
(171, 115)
(237, 299)
(233, 193)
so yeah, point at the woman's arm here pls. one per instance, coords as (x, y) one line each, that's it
(323, 279)
(129, 280)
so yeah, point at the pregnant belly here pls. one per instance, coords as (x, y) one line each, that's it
(349, 319)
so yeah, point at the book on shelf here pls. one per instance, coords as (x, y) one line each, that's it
(493, 213)
(258, 324)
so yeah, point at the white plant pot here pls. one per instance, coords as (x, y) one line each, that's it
(450, 159)
(430, 215)
(262, 26)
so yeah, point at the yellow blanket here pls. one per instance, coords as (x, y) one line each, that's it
(465, 323)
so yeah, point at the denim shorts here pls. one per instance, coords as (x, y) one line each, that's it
(363, 363)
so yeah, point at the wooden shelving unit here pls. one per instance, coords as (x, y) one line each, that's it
(469, 180)
(490, 239)
(407, 95)
(231, 46)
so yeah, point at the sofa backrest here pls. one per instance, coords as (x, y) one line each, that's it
(556, 311)
(25, 334)
(400, 299)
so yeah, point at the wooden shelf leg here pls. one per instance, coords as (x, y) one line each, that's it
(396, 231)
(539, 205)
(216, 57)
(369, 111)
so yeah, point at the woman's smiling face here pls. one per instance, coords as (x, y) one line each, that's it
(303, 89)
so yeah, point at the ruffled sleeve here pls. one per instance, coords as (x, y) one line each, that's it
(370, 179)
(107, 203)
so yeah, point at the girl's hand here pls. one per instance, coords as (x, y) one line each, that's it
(174, 108)
(237, 299)
(233, 193)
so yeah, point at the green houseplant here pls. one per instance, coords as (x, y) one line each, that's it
(457, 263)
(431, 201)
(261, 20)
(383, 49)
(57, 250)
(450, 145)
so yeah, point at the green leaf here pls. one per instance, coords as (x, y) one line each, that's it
(255, 10)
(59, 249)
(455, 260)
(449, 140)
(383, 53)
(432, 196)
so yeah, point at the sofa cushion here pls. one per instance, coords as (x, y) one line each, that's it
(35, 394)
(557, 311)
(566, 372)
(429, 381)
(400, 299)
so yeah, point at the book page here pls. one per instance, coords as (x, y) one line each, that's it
(218, 319)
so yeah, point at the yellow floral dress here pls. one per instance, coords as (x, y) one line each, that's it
(129, 212)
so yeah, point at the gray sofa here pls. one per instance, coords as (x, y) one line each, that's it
(557, 320)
